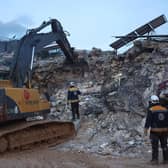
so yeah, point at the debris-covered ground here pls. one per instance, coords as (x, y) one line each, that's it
(115, 92)
(52, 158)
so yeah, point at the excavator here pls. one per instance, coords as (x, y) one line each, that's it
(18, 100)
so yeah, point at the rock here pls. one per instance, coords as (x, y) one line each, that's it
(115, 93)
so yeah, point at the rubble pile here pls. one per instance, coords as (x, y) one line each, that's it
(5, 61)
(125, 87)
(132, 81)
(98, 65)
(115, 90)
(55, 73)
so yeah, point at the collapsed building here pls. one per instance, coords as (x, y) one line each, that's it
(115, 91)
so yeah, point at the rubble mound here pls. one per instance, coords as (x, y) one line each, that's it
(129, 83)
(115, 92)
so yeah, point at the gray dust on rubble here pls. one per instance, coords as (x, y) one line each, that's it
(114, 100)
(115, 90)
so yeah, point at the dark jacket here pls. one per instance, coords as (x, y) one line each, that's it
(73, 94)
(157, 118)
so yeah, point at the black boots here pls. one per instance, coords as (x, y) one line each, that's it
(165, 156)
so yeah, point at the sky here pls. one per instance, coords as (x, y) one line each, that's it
(91, 23)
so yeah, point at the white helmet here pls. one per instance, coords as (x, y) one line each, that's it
(72, 84)
(154, 99)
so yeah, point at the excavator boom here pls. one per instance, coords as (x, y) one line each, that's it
(33, 42)
(17, 103)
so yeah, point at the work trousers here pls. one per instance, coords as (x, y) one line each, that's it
(75, 110)
(155, 139)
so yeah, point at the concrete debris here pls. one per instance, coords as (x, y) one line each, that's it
(115, 92)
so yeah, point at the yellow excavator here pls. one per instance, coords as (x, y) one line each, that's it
(19, 101)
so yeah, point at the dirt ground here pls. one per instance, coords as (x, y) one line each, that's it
(52, 158)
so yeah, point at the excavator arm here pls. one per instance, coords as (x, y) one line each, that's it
(18, 103)
(33, 42)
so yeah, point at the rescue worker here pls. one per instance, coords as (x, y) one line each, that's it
(157, 121)
(73, 99)
(46, 94)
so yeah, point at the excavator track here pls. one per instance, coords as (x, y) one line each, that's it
(20, 134)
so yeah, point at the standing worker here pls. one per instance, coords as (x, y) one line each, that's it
(73, 99)
(157, 121)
